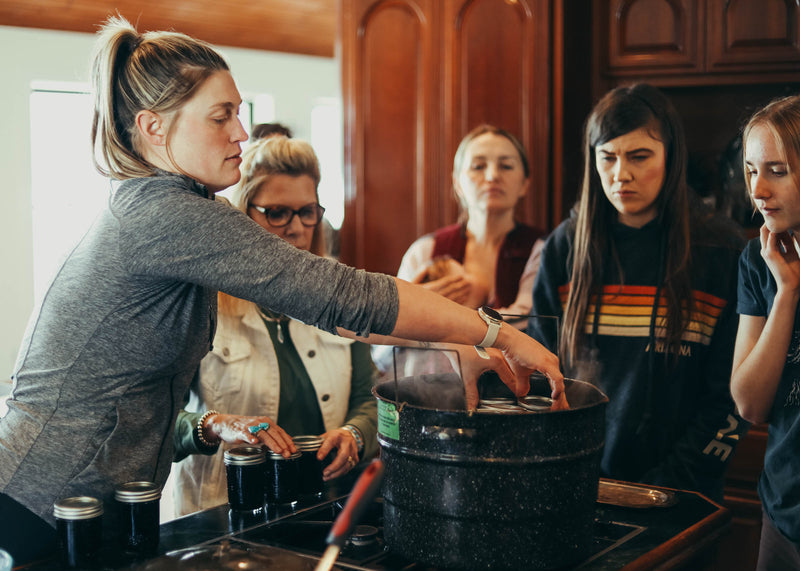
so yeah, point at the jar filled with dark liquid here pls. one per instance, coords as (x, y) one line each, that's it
(139, 517)
(311, 482)
(283, 478)
(80, 531)
(244, 468)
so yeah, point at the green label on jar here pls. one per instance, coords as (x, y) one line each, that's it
(388, 420)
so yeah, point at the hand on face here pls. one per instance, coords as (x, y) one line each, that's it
(780, 252)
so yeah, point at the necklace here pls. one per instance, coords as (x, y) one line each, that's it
(278, 318)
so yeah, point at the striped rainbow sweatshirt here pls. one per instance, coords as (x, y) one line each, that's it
(673, 426)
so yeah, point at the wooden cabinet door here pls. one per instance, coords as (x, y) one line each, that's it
(753, 35)
(391, 73)
(653, 36)
(417, 75)
(497, 70)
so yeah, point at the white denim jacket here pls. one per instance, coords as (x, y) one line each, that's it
(241, 376)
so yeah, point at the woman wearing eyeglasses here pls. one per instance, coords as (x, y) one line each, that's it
(268, 368)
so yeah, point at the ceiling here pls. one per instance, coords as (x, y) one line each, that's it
(294, 26)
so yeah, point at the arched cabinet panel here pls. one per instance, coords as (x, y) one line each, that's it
(682, 39)
(499, 75)
(758, 35)
(661, 34)
(393, 90)
(388, 82)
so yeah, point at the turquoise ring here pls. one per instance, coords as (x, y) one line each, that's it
(262, 426)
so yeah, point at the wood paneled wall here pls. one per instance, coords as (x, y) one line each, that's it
(296, 26)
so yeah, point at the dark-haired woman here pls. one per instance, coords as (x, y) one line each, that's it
(644, 282)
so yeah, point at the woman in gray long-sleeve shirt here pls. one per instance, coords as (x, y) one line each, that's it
(111, 350)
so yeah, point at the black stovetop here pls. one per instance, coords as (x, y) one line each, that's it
(652, 538)
(305, 532)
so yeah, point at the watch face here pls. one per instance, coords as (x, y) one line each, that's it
(489, 312)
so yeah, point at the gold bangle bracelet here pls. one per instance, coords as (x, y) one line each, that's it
(200, 423)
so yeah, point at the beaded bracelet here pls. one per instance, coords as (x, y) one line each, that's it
(199, 428)
(356, 435)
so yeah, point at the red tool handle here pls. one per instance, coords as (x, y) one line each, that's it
(365, 489)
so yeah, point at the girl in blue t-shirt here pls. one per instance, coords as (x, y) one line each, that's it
(766, 367)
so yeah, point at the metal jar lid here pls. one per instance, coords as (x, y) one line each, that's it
(499, 401)
(500, 408)
(137, 492)
(78, 507)
(278, 456)
(307, 443)
(536, 403)
(245, 456)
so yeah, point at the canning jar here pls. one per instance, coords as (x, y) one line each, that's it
(244, 469)
(139, 517)
(311, 482)
(79, 523)
(283, 478)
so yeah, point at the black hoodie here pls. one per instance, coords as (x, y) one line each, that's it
(670, 424)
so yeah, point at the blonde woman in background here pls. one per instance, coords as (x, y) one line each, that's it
(267, 367)
(488, 257)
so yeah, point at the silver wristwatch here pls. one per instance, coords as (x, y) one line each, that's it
(493, 320)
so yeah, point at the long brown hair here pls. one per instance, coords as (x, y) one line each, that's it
(619, 112)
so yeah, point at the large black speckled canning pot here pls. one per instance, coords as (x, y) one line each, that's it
(488, 491)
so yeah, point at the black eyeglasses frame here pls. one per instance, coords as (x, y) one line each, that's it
(265, 210)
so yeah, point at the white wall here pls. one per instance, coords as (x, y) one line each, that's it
(28, 55)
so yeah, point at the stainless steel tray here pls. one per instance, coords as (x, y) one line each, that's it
(633, 496)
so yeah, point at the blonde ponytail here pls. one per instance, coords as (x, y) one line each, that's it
(132, 72)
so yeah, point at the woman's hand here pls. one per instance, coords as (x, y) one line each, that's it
(455, 288)
(447, 277)
(255, 430)
(762, 343)
(346, 452)
(525, 356)
(515, 374)
(780, 253)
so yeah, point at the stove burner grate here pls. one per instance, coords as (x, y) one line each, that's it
(306, 532)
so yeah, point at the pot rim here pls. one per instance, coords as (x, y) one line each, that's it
(602, 399)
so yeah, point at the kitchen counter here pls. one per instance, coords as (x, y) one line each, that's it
(675, 537)
(664, 537)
